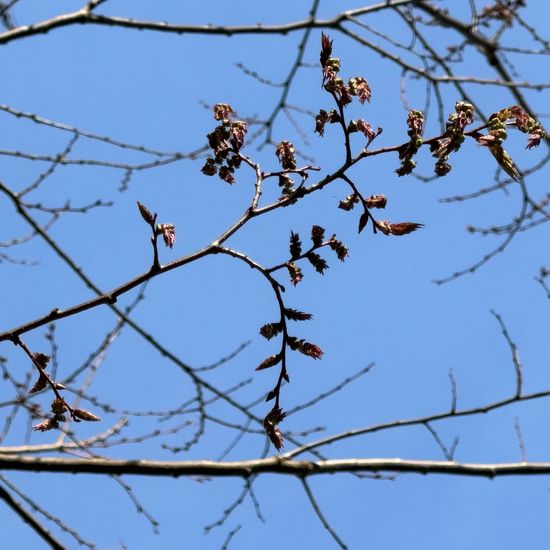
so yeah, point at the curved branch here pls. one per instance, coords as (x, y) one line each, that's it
(85, 17)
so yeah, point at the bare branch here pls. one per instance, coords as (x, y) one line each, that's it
(521, 441)
(518, 367)
(54, 519)
(246, 468)
(320, 514)
(37, 527)
(85, 16)
(230, 536)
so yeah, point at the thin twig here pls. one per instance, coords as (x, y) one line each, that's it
(320, 514)
(521, 441)
(518, 367)
(230, 536)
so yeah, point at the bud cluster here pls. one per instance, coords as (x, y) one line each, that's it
(359, 87)
(166, 230)
(501, 10)
(271, 422)
(415, 122)
(340, 248)
(349, 202)
(307, 348)
(287, 184)
(58, 405)
(453, 137)
(376, 201)
(225, 141)
(323, 117)
(285, 153)
(498, 133)
(319, 263)
(523, 122)
(364, 127)
(295, 247)
(317, 235)
(295, 273)
(270, 330)
(356, 86)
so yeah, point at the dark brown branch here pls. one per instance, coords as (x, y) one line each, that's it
(36, 526)
(49, 516)
(84, 16)
(253, 211)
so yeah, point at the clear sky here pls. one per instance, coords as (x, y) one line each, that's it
(380, 306)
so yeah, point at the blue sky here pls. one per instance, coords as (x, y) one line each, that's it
(380, 306)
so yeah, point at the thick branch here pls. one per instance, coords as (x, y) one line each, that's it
(273, 465)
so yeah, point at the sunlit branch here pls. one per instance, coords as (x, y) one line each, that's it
(273, 465)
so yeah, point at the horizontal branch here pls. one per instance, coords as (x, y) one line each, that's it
(86, 17)
(273, 465)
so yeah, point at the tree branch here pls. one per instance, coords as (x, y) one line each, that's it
(85, 17)
(37, 527)
(273, 465)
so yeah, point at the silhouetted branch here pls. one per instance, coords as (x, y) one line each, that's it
(320, 514)
(36, 526)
